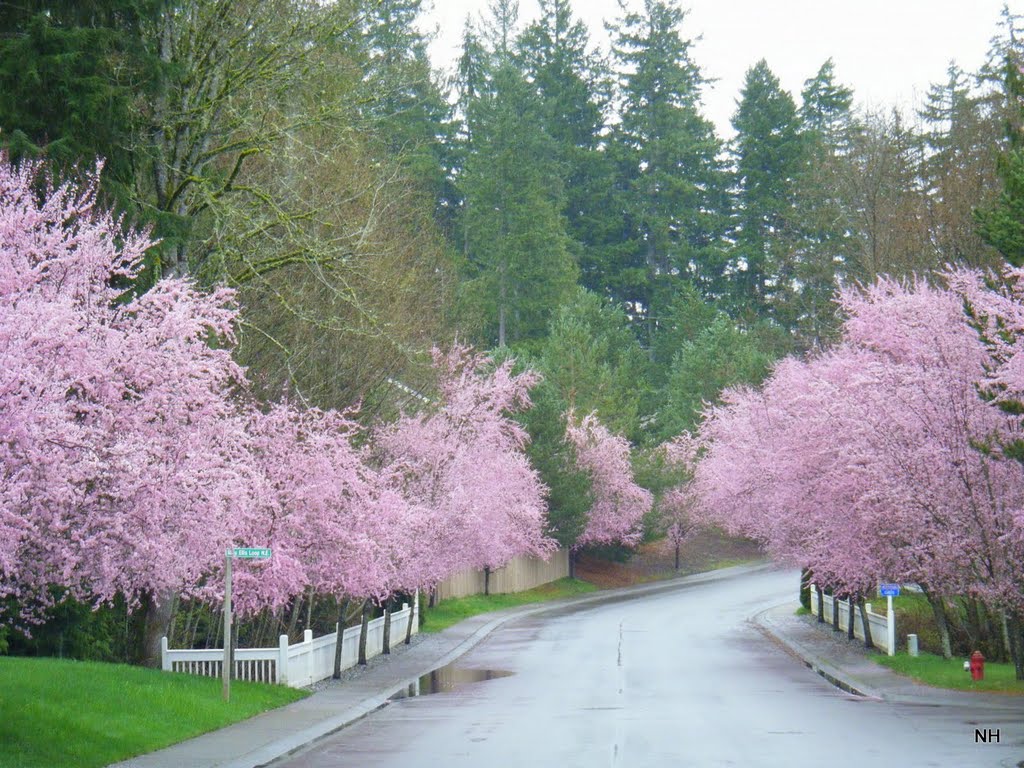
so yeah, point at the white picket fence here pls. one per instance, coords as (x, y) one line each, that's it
(297, 665)
(882, 635)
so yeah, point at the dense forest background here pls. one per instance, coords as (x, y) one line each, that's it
(565, 205)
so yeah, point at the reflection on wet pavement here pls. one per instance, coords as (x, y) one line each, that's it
(447, 679)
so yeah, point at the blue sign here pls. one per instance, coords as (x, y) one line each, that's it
(889, 590)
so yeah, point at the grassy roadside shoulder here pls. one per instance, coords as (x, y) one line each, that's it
(452, 611)
(915, 615)
(949, 673)
(717, 565)
(85, 714)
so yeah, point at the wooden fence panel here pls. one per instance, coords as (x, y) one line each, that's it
(461, 584)
(521, 574)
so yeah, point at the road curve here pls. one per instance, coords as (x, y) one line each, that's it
(675, 678)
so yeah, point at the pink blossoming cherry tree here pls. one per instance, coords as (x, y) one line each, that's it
(463, 462)
(616, 515)
(867, 463)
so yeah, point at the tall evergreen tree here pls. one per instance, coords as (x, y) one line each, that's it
(403, 100)
(1006, 43)
(958, 171)
(823, 238)
(591, 363)
(71, 75)
(670, 179)
(1002, 224)
(573, 86)
(596, 364)
(513, 231)
(769, 158)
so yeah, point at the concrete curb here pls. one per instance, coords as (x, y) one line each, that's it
(837, 677)
(888, 686)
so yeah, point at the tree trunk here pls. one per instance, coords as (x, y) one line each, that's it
(572, 563)
(835, 613)
(977, 627)
(1016, 629)
(677, 555)
(849, 617)
(970, 624)
(1007, 645)
(652, 276)
(864, 623)
(200, 612)
(412, 617)
(502, 308)
(213, 628)
(805, 587)
(342, 608)
(990, 633)
(188, 633)
(158, 610)
(821, 605)
(941, 621)
(386, 646)
(363, 631)
(266, 625)
(218, 627)
(487, 580)
(293, 622)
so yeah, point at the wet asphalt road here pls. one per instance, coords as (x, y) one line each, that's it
(674, 679)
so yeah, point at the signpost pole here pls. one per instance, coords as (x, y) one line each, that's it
(248, 553)
(889, 591)
(890, 621)
(226, 670)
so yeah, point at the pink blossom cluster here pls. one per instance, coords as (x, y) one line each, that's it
(132, 454)
(679, 506)
(122, 457)
(996, 307)
(463, 462)
(868, 463)
(616, 515)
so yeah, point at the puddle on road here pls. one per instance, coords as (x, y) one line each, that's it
(447, 679)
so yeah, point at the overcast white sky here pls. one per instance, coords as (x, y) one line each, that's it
(888, 51)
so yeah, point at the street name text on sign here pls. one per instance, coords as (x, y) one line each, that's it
(251, 553)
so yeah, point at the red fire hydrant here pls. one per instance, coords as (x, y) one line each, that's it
(977, 666)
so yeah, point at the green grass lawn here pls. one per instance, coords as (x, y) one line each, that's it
(943, 673)
(452, 611)
(56, 712)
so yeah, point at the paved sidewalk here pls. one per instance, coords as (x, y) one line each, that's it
(848, 665)
(264, 738)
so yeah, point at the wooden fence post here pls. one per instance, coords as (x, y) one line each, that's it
(307, 641)
(282, 660)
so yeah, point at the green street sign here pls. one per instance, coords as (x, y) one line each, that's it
(250, 553)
